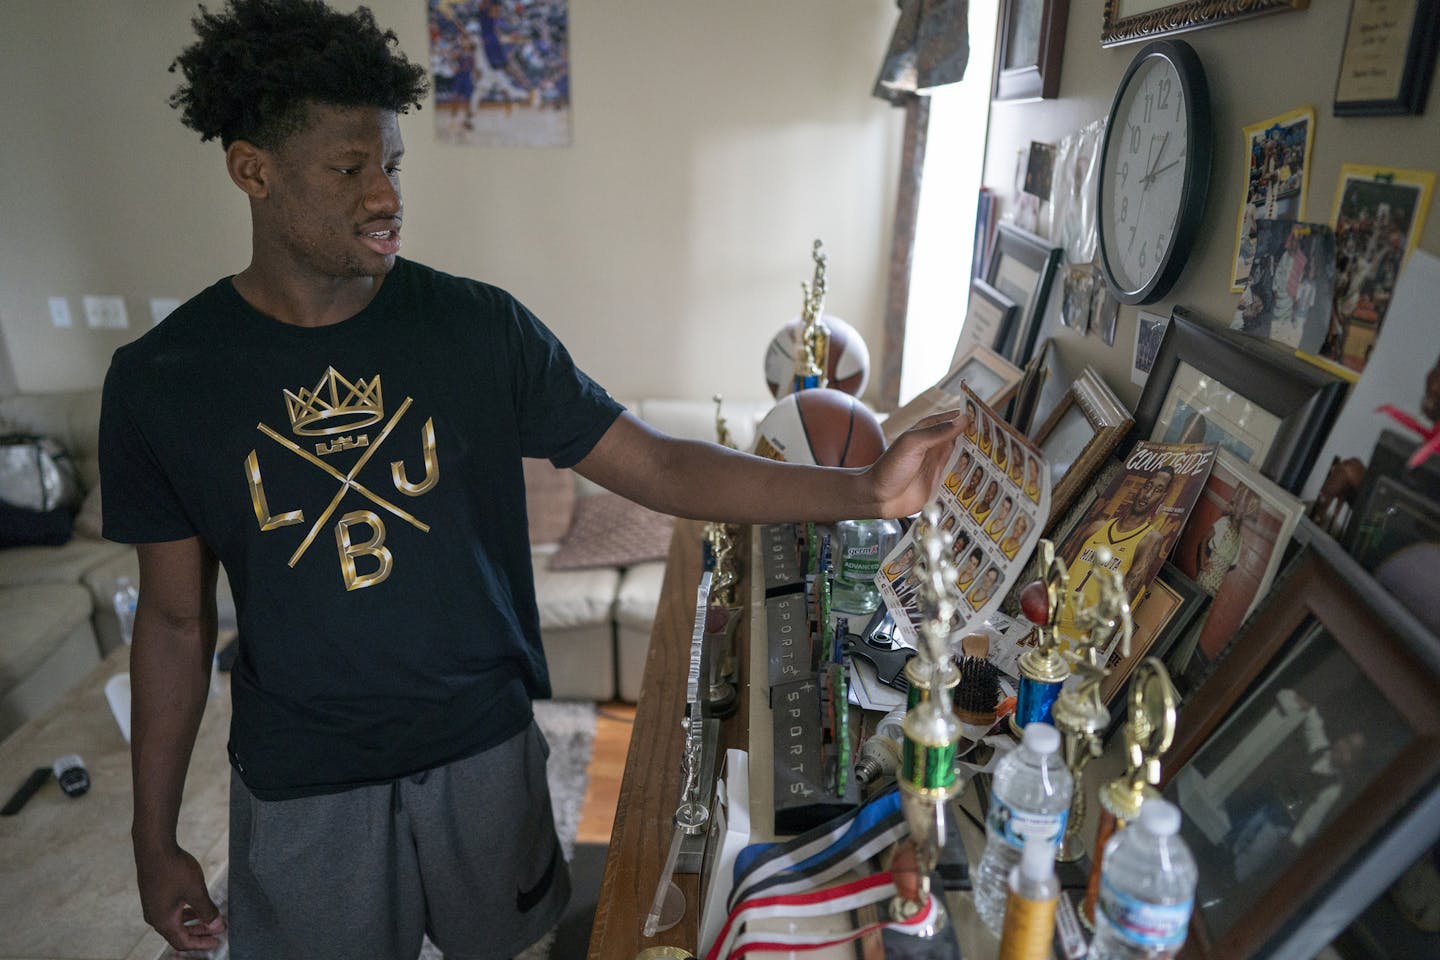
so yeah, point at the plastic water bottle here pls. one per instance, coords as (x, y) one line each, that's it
(126, 597)
(1030, 797)
(1147, 889)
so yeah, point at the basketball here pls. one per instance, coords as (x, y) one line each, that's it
(824, 427)
(847, 367)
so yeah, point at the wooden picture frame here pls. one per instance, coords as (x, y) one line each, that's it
(1078, 436)
(1027, 395)
(1267, 406)
(1388, 58)
(1389, 460)
(1327, 677)
(989, 320)
(1162, 616)
(1022, 267)
(1030, 47)
(1125, 21)
(990, 375)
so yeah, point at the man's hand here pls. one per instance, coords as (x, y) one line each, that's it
(175, 901)
(905, 476)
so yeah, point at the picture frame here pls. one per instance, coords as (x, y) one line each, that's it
(1126, 21)
(1295, 761)
(989, 319)
(1365, 281)
(1162, 615)
(990, 375)
(1264, 404)
(1277, 164)
(1388, 462)
(1030, 49)
(1027, 395)
(1388, 59)
(1022, 267)
(1232, 546)
(1398, 542)
(1078, 436)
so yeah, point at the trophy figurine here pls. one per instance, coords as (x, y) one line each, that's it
(1043, 670)
(932, 732)
(1149, 731)
(812, 355)
(1079, 712)
(722, 617)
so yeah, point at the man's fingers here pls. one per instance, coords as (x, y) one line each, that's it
(189, 932)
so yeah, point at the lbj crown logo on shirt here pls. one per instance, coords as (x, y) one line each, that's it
(337, 408)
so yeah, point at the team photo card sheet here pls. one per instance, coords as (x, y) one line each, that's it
(994, 496)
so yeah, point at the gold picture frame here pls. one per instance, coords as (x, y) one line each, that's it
(1078, 436)
(991, 376)
(1125, 21)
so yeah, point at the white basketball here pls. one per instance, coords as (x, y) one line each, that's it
(848, 368)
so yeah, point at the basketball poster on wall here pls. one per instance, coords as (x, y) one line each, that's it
(994, 496)
(501, 72)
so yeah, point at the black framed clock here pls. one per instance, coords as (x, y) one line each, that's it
(1154, 171)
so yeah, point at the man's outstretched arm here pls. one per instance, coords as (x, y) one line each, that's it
(705, 481)
(169, 682)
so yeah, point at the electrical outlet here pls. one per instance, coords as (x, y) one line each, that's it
(162, 307)
(106, 313)
(60, 312)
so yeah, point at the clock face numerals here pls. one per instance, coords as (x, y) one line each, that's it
(1145, 164)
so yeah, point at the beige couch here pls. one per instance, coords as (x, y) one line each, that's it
(57, 615)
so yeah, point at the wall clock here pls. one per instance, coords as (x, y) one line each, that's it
(1155, 171)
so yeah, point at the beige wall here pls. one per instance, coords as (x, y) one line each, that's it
(1256, 69)
(713, 142)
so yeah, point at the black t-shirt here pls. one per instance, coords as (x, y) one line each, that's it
(361, 484)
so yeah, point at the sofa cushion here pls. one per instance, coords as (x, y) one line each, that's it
(610, 531)
(549, 500)
(20, 527)
(20, 566)
(639, 595)
(37, 619)
(572, 598)
(87, 521)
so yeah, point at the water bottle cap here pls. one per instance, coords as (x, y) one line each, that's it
(1041, 738)
(1037, 860)
(122, 582)
(1160, 817)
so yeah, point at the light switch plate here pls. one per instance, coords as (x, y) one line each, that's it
(162, 307)
(60, 312)
(106, 313)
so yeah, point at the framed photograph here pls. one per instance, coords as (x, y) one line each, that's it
(1078, 436)
(1027, 395)
(1031, 48)
(1231, 547)
(1379, 215)
(1296, 759)
(1023, 269)
(990, 375)
(1388, 462)
(1291, 285)
(1162, 615)
(1398, 540)
(1260, 402)
(1125, 21)
(1389, 57)
(1277, 154)
(989, 318)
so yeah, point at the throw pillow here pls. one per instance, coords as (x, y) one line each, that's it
(610, 531)
(34, 528)
(549, 500)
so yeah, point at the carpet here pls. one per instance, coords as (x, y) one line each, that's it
(569, 728)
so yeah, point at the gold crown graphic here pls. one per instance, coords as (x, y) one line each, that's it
(335, 402)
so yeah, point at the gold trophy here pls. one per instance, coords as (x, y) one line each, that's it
(1149, 731)
(1044, 669)
(932, 732)
(1080, 714)
(812, 354)
(722, 618)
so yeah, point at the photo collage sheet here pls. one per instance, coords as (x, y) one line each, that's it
(994, 498)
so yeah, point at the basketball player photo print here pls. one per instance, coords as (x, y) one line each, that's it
(1137, 518)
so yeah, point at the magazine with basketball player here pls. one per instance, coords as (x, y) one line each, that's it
(994, 497)
(1138, 517)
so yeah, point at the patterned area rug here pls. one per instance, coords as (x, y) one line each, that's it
(569, 727)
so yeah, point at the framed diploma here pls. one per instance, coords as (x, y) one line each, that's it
(1389, 57)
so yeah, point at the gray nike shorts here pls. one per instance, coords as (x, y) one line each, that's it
(466, 853)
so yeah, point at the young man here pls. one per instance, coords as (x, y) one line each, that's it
(343, 430)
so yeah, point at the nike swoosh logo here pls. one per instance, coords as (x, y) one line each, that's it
(525, 900)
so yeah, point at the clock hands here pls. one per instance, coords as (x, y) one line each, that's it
(1150, 177)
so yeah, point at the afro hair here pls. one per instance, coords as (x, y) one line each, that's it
(258, 64)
